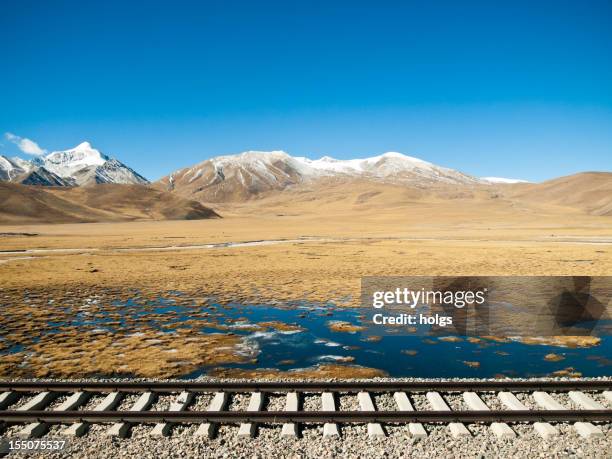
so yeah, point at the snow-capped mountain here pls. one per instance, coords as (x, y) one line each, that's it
(250, 173)
(11, 168)
(238, 176)
(66, 163)
(82, 165)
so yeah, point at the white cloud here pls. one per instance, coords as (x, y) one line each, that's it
(26, 145)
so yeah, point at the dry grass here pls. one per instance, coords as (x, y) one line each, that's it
(440, 237)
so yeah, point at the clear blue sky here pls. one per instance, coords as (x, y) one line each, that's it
(515, 89)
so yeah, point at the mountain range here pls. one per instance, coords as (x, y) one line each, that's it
(248, 174)
(224, 177)
(264, 180)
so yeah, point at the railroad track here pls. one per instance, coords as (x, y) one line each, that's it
(29, 409)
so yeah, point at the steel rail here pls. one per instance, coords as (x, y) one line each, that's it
(311, 386)
(306, 416)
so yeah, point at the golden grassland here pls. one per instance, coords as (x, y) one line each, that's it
(328, 266)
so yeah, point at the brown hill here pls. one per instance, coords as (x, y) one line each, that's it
(587, 194)
(590, 192)
(98, 203)
(368, 204)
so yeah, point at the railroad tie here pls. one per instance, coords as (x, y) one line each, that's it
(38, 402)
(122, 429)
(544, 429)
(584, 429)
(415, 429)
(218, 403)
(608, 395)
(438, 404)
(162, 429)
(38, 429)
(366, 404)
(248, 429)
(328, 403)
(110, 402)
(500, 429)
(292, 403)
(584, 401)
(7, 399)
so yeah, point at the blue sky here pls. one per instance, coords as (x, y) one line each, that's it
(515, 89)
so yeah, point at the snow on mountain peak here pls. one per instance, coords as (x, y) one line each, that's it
(502, 180)
(401, 156)
(243, 175)
(83, 146)
(80, 165)
(249, 157)
(66, 163)
(85, 150)
(395, 154)
(389, 165)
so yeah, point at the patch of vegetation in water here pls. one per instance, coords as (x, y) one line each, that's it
(177, 335)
